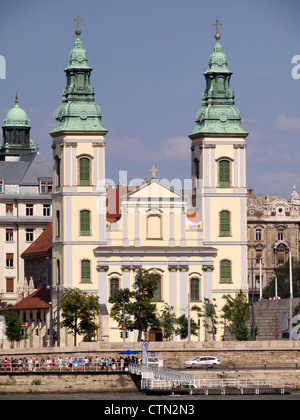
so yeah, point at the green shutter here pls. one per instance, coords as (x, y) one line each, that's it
(224, 223)
(225, 271)
(84, 171)
(195, 295)
(84, 223)
(224, 174)
(85, 271)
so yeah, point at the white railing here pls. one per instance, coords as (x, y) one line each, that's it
(232, 383)
(152, 373)
(207, 384)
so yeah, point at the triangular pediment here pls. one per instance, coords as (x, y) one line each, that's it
(153, 190)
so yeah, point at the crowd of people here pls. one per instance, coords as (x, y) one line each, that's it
(76, 363)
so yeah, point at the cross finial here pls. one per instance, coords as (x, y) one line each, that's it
(153, 170)
(217, 24)
(78, 31)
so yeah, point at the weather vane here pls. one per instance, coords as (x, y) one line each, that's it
(78, 31)
(217, 24)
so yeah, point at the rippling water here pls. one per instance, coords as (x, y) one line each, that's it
(111, 397)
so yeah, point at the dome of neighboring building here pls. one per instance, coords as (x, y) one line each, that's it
(16, 117)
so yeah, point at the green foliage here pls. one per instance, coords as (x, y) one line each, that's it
(182, 329)
(167, 321)
(209, 316)
(236, 315)
(282, 273)
(140, 311)
(14, 327)
(79, 310)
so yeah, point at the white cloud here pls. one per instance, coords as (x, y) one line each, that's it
(286, 123)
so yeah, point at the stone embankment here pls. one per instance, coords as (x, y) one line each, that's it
(279, 362)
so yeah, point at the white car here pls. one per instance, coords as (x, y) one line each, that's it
(203, 361)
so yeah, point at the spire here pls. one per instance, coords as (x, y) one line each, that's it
(218, 113)
(78, 111)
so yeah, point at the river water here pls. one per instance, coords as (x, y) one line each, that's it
(137, 398)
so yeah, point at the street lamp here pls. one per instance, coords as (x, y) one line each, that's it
(252, 303)
(291, 294)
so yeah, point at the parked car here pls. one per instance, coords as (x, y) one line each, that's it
(203, 361)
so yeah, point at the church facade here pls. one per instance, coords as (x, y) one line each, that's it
(197, 246)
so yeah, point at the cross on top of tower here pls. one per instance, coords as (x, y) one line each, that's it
(78, 31)
(153, 170)
(217, 24)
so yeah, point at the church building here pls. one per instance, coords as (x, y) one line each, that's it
(197, 246)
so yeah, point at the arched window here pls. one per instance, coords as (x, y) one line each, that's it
(57, 272)
(57, 223)
(85, 271)
(224, 223)
(224, 173)
(114, 285)
(85, 223)
(225, 271)
(195, 289)
(57, 162)
(84, 171)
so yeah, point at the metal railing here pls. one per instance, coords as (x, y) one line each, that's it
(152, 373)
(208, 384)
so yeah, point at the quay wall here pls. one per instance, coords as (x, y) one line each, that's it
(174, 354)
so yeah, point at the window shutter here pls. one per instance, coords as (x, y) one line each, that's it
(224, 223)
(225, 271)
(84, 171)
(85, 271)
(84, 222)
(224, 173)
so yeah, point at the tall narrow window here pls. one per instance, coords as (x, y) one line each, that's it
(9, 285)
(224, 173)
(57, 171)
(225, 275)
(225, 223)
(258, 234)
(114, 285)
(157, 293)
(9, 260)
(85, 223)
(9, 209)
(85, 271)
(195, 289)
(57, 272)
(84, 171)
(57, 223)
(9, 235)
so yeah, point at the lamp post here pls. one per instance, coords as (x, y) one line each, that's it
(252, 303)
(291, 294)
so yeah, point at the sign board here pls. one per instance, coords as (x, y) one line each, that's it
(24, 325)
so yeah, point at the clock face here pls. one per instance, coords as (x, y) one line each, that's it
(83, 115)
(223, 118)
(220, 62)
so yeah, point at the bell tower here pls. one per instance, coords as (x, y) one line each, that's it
(79, 195)
(218, 173)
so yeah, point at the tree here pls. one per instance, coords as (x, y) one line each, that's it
(282, 273)
(167, 321)
(14, 327)
(236, 315)
(210, 318)
(79, 310)
(138, 306)
(183, 326)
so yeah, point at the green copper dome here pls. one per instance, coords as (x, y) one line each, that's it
(218, 114)
(16, 117)
(78, 111)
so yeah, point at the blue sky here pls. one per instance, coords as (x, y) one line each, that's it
(148, 59)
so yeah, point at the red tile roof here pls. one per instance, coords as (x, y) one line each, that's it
(37, 300)
(42, 245)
